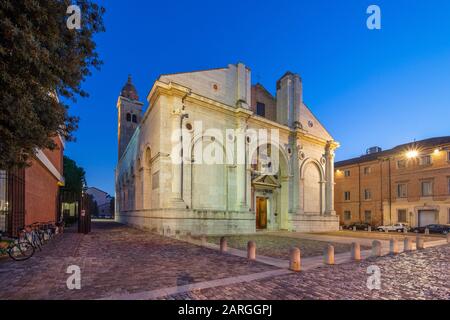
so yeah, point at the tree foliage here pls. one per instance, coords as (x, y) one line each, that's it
(40, 60)
(75, 176)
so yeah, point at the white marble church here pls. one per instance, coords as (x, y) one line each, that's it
(163, 185)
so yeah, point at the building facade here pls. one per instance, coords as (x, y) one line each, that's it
(279, 184)
(409, 183)
(31, 194)
(103, 201)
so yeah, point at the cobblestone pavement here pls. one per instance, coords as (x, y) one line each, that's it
(115, 259)
(421, 274)
(280, 247)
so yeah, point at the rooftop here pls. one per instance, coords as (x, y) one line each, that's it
(417, 145)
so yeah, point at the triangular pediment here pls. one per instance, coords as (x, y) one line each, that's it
(266, 181)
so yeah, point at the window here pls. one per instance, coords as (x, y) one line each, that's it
(367, 170)
(367, 194)
(155, 180)
(368, 216)
(402, 190)
(427, 188)
(401, 215)
(134, 118)
(347, 173)
(401, 164)
(260, 109)
(347, 195)
(347, 215)
(425, 160)
(128, 117)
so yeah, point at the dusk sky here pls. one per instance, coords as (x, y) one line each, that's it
(368, 87)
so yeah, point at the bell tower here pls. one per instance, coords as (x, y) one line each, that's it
(129, 115)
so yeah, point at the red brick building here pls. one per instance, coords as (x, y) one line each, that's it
(32, 194)
(409, 183)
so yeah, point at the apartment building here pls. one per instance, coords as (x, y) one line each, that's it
(409, 183)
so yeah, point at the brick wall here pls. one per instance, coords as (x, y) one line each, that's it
(260, 94)
(41, 187)
(379, 184)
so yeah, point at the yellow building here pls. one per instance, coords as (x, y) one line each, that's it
(409, 183)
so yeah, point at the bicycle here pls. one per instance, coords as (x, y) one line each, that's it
(18, 250)
(29, 233)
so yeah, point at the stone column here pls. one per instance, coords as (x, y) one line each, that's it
(242, 160)
(393, 246)
(376, 248)
(329, 177)
(223, 245)
(176, 198)
(328, 256)
(175, 158)
(407, 244)
(251, 250)
(356, 251)
(295, 262)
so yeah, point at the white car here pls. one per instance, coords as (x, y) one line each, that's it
(399, 227)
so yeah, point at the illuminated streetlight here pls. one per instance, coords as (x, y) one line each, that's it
(412, 154)
(436, 151)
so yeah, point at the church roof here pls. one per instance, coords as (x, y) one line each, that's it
(129, 91)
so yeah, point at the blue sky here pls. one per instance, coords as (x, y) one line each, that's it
(381, 87)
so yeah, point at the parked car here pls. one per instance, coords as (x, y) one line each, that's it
(359, 226)
(398, 227)
(433, 228)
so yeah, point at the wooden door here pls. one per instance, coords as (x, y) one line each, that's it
(261, 213)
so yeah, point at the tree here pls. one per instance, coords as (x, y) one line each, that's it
(75, 176)
(41, 59)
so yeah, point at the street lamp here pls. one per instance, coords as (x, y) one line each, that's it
(412, 154)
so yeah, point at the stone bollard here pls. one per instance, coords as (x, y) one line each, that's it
(341, 228)
(203, 240)
(328, 256)
(354, 228)
(223, 245)
(251, 250)
(405, 230)
(369, 229)
(427, 231)
(407, 244)
(356, 252)
(295, 260)
(420, 243)
(393, 246)
(448, 237)
(376, 248)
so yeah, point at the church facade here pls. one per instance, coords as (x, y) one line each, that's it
(213, 154)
